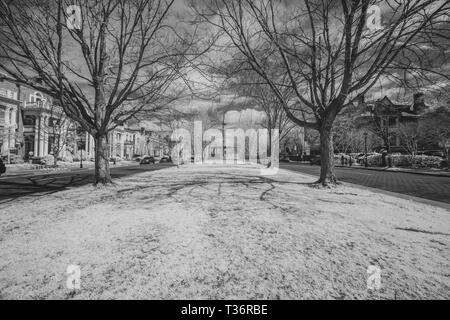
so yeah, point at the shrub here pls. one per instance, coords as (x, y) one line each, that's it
(77, 156)
(421, 161)
(66, 158)
(48, 160)
(15, 159)
(375, 160)
(338, 159)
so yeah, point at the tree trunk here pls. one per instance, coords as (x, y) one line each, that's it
(326, 157)
(102, 173)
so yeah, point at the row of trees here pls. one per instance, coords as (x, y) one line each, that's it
(102, 61)
(328, 51)
(117, 58)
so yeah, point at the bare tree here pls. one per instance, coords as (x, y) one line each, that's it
(350, 127)
(409, 135)
(248, 84)
(59, 132)
(104, 61)
(376, 120)
(330, 56)
(434, 127)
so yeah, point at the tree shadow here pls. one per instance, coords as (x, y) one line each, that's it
(42, 185)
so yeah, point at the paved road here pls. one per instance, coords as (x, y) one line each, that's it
(15, 187)
(422, 186)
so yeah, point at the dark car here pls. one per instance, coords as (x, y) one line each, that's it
(165, 159)
(2, 167)
(436, 153)
(147, 160)
(315, 160)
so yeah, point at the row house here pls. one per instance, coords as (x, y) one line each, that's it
(127, 142)
(27, 117)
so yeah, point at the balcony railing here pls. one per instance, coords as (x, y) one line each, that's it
(37, 104)
(8, 94)
(44, 105)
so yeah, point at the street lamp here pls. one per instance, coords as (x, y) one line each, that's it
(9, 144)
(79, 141)
(365, 149)
(81, 159)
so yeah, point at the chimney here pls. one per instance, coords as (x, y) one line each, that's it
(419, 99)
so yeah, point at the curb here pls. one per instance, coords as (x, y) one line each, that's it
(402, 171)
(61, 171)
(43, 172)
(437, 174)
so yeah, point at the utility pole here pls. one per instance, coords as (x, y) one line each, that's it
(9, 141)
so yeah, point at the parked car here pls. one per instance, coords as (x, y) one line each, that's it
(165, 159)
(2, 167)
(436, 153)
(315, 160)
(147, 160)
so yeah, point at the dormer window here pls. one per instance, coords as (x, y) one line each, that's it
(36, 97)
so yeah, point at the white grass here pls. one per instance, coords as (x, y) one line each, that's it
(211, 232)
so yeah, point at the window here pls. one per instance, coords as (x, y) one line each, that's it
(29, 120)
(53, 122)
(37, 96)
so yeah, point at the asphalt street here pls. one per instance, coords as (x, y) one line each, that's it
(13, 187)
(429, 187)
(423, 186)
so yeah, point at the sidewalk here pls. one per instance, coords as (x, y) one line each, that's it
(436, 172)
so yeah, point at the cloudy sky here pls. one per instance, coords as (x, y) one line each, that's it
(209, 89)
(436, 93)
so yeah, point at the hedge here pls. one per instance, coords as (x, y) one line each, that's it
(375, 160)
(421, 161)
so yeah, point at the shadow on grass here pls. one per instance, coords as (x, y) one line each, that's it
(42, 185)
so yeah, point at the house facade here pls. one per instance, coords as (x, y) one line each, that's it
(389, 116)
(27, 118)
(9, 106)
